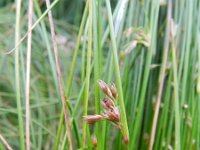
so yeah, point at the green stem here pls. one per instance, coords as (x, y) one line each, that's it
(97, 75)
(70, 78)
(74, 59)
(89, 54)
(150, 52)
(125, 131)
(17, 76)
(176, 99)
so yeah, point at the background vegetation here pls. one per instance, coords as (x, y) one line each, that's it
(149, 48)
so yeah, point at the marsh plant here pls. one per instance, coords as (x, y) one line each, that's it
(53, 53)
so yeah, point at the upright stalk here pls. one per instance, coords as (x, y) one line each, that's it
(28, 67)
(17, 76)
(97, 74)
(78, 42)
(59, 75)
(71, 75)
(162, 77)
(149, 56)
(89, 54)
(125, 131)
(176, 95)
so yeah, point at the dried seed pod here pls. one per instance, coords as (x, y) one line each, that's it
(126, 139)
(105, 88)
(113, 90)
(107, 103)
(94, 141)
(91, 119)
(114, 114)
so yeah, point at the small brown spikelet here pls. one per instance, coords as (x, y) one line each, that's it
(104, 87)
(126, 140)
(110, 111)
(114, 114)
(94, 141)
(113, 90)
(107, 103)
(91, 119)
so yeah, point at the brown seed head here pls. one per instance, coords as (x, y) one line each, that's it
(105, 115)
(91, 119)
(114, 114)
(113, 90)
(105, 88)
(94, 141)
(107, 103)
(126, 140)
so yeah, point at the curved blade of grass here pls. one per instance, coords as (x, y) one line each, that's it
(32, 27)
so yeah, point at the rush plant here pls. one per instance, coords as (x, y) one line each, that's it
(54, 53)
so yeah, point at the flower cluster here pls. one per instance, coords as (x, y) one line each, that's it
(110, 110)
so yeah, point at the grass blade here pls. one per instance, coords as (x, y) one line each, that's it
(28, 68)
(58, 70)
(125, 131)
(17, 76)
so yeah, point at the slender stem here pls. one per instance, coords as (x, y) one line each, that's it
(176, 96)
(162, 77)
(89, 53)
(59, 76)
(99, 34)
(198, 82)
(144, 84)
(28, 67)
(71, 75)
(5, 142)
(97, 75)
(125, 131)
(17, 75)
(187, 51)
(78, 42)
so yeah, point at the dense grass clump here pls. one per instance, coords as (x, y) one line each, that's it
(100, 74)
